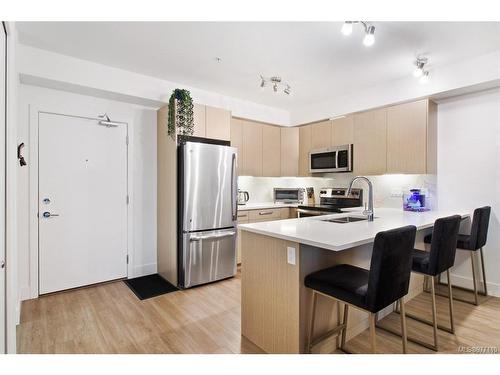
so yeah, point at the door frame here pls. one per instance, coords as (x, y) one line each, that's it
(34, 111)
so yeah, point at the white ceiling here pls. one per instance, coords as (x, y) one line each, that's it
(315, 58)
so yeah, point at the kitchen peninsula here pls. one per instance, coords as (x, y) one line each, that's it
(277, 255)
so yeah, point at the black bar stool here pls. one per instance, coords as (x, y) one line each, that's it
(440, 258)
(371, 290)
(473, 242)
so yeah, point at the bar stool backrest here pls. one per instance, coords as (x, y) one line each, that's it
(444, 244)
(390, 267)
(479, 227)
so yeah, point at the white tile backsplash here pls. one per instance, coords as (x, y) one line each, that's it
(387, 188)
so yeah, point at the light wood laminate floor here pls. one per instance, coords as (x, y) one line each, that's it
(109, 318)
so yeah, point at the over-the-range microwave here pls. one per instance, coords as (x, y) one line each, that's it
(332, 159)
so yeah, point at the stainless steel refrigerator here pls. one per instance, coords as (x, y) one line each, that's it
(207, 211)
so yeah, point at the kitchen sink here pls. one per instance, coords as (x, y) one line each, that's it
(346, 219)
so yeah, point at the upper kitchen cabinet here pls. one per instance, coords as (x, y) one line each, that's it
(217, 123)
(271, 151)
(304, 149)
(343, 131)
(321, 135)
(370, 142)
(411, 137)
(199, 121)
(252, 149)
(237, 141)
(290, 151)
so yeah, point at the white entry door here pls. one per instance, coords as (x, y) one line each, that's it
(3, 105)
(82, 193)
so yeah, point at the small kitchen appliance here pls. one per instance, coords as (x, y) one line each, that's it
(288, 195)
(243, 197)
(331, 160)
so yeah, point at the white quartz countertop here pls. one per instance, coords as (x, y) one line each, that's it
(334, 236)
(264, 205)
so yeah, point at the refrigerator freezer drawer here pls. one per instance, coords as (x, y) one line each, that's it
(208, 256)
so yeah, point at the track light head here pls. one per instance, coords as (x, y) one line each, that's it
(287, 90)
(369, 38)
(346, 28)
(262, 82)
(425, 77)
(419, 66)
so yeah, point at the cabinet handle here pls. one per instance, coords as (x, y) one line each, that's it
(242, 215)
(265, 212)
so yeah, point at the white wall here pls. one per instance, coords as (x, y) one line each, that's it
(142, 131)
(481, 71)
(387, 188)
(469, 171)
(54, 70)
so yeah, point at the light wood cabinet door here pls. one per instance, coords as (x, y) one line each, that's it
(304, 149)
(218, 123)
(242, 219)
(237, 141)
(271, 151)
(407, 138)
(290, 151)
(252, 149)
(370, 142)
(343, 131)
(321, 135)
(199, 121)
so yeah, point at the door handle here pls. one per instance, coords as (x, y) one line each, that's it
(47, 214)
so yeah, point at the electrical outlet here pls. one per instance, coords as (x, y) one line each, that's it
(290, 255)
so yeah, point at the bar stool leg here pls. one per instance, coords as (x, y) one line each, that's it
(344, 331)
(434, 313)
(373, 334)
(311, 324)
(450, 301)
(403, 324)
(473, 262)
(339, 322)
(484, 273)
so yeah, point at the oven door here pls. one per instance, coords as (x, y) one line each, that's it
(309, 213)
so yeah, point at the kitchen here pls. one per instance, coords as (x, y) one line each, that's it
(230, 200)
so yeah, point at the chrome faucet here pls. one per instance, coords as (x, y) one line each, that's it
(368, 212)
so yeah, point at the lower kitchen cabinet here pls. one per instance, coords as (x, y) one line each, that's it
(256, 216)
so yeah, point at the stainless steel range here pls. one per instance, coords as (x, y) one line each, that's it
(332, 200)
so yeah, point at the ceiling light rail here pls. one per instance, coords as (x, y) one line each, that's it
(369, 38)
(276, 83)
(420, 71)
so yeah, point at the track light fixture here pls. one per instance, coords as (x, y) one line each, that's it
(369, 38)
(276, 82)
(419, 71)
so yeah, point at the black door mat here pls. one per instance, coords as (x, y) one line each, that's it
(149, 286)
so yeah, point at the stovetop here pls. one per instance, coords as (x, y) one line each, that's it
(321, 207)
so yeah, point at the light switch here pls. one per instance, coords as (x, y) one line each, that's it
(290, 255)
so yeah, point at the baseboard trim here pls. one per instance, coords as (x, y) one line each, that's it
(144, 269)
(466, 282)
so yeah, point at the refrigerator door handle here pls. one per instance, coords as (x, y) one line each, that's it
(233, 188)
(212, 236)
